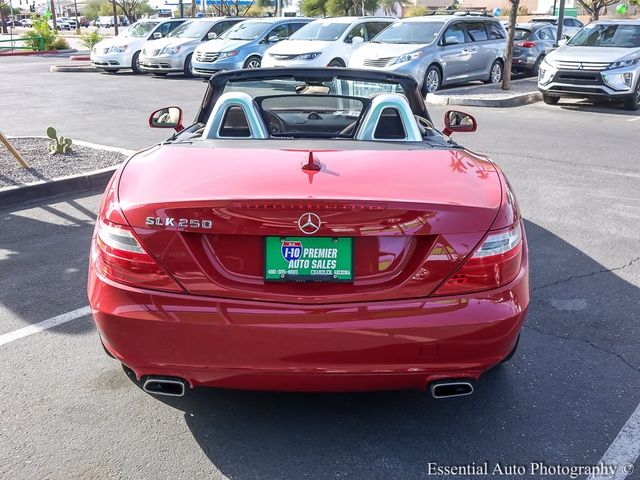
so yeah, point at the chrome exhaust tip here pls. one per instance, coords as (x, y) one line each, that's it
(171, 387)
(451, 388)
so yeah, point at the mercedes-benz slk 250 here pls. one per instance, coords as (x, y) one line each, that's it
(311, 230)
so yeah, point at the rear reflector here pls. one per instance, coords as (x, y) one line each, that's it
(119, 256)
(495, 263)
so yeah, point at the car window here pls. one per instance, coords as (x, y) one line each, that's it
(220, 27)
(357, 31)
(294, 27)
(495, 30)
(281, 31)
(477, 31)
(545, 34)
(374, 28)
(454, 34)
(521, 34)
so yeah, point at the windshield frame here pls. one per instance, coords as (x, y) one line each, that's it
(587, 30)
(395, 25)
(244, 25)
(320, 23)
(153, 25)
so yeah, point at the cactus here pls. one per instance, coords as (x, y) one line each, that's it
(61, 145)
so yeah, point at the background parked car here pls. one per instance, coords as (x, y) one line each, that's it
(174, 52)
(26, 23)
(60, 24)
(583, 68)
(123, 51)
(570, 25)
(438, 50)
(530, 45)
(325, 42)
(243, 46)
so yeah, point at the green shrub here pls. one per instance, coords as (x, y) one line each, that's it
(416, 11)
(60, 145)
(89, 39)
(40, 28)
(60, 44)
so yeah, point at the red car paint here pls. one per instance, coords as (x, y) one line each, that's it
(192, 302)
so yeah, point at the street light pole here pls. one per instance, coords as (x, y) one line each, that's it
(75, 7)
(560, 21)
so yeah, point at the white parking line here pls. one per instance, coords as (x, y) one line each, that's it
(624, 450)
(44, 325)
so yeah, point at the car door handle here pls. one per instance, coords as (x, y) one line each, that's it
(470, 49)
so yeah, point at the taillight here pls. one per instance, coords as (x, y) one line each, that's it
(527, 44)
(495, 263)
(119, 256)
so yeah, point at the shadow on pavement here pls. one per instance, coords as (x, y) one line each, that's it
(576, 369)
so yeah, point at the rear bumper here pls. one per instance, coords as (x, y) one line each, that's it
(402, 344)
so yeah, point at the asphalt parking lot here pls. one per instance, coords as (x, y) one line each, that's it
(69, 411)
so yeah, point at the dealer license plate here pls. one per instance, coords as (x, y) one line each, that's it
(316, 259)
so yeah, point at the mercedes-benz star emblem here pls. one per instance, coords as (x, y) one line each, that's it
(309, 223)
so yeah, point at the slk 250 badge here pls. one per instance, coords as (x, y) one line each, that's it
(178, 222)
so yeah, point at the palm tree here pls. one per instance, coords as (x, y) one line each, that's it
(391, 7)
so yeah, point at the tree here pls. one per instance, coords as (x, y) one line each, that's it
(132, 9)
(506, 70)
(594, 7)
(416, 11)
(393, 7)
(314, 8)
(230, 8)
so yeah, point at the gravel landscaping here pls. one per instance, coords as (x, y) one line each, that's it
(45, 166)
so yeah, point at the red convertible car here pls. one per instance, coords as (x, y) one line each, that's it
(310, 231)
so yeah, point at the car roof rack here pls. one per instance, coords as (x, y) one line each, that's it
(471, 11)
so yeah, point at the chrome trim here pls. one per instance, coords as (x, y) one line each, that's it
(435, 386)
(235, 99)
(372, 117)
(152, 380)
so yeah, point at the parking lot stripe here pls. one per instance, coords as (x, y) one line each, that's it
(625, 449)
(44, 325)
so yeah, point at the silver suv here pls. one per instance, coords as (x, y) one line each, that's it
(438, 50)
(601, 61)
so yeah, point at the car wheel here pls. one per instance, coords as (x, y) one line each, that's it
(495, 74)
(187, 66)
(135, 63)
(252, 62)
(536, 66)
(550, 99)
(336, 62)
(634, 102)
(432, 80)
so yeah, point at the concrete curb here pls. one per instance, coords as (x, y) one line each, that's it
(44, 52)
(453, 96)
(480, 100)
(78, 183)
(72, 68)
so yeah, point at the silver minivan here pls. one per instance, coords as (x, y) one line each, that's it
(438, 50)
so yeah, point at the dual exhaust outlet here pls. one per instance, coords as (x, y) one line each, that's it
(175, 387)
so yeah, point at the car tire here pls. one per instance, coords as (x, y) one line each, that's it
(336, 62)
(187, 66)
(633, 103)
(536, 66)
(135, 64)
(550, 99)
(495, 73)
(432, 80)
(252, 62)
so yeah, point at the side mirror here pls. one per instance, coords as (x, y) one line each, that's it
(356, 40)
(455, 121)
(212, 35)
(451, 40)
(157, 35)
(274, 39)
(168, 117)
(563, 40)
